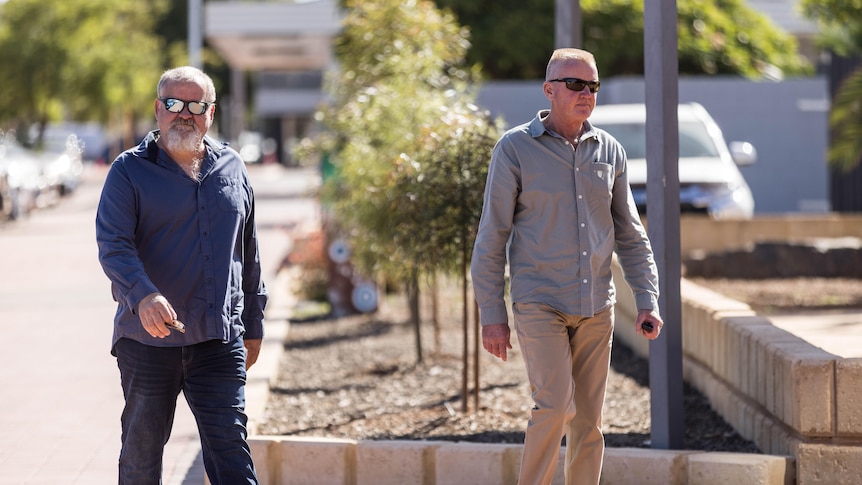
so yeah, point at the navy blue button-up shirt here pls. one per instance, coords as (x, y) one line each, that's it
(195, 242)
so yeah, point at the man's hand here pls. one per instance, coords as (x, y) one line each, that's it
(652, 318)
(154, 311)
(252, 350)
(495, 339)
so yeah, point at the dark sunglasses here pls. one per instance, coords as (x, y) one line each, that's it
(578, 85)
(175, 105)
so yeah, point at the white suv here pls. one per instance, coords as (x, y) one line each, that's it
(709, 180)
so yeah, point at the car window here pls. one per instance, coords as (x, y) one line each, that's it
(694, 140)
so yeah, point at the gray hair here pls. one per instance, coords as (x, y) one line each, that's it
(189, 74)
(568, 54)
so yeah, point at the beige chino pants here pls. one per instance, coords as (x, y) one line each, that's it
(567, 359)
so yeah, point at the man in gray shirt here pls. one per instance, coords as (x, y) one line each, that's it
(557, 205)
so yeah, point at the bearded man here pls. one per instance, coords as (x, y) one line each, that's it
(177, 239)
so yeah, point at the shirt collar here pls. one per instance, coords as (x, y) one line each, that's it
(537, 127)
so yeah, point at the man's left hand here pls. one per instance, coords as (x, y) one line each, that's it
(252, 350)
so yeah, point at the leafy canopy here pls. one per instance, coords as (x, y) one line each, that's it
(715, 37)
(76, 59)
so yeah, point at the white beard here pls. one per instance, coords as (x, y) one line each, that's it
(183, 138)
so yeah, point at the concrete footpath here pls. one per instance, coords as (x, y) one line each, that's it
(61, 397)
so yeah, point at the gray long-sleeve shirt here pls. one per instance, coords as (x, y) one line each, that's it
(566, 209)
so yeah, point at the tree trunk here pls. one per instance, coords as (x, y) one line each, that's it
(413, 305)
(435, 313)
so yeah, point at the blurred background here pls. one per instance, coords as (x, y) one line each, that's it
(766, 70)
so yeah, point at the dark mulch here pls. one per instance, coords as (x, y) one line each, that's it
(358, 378)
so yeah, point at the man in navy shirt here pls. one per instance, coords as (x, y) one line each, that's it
(177, 238)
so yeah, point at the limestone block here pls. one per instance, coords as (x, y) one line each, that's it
(828, 464)
(739, 469)
(811, 389)
(761, 336)
(472, 463)
(778, 381)
(316, 461)
(848, 396)
(264, 450)
(395, 462)
(647, 467)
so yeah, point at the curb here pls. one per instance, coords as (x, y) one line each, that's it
(282, 460)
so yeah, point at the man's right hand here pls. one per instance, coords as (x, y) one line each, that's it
(154, 311)
(495, 339)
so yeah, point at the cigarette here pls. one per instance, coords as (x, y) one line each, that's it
(177, 325)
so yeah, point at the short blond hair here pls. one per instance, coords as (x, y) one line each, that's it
(566, 54)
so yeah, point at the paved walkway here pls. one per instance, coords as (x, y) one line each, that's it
(61, 397)
(838, 332)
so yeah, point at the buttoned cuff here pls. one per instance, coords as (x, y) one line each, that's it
(493, 315)
(646, 301)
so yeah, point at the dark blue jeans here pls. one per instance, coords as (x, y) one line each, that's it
(212, 376)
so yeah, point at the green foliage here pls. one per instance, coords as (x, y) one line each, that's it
(839, 22)
(78, 59)
(715, 37)
(727, 37)
(846, 122)
(409, 150)
(513, 38)
(841, 32)
(89, 60)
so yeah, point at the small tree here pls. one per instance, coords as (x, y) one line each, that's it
(400, 90)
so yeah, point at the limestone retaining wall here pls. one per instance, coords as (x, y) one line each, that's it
(786, 395)
(284, 460)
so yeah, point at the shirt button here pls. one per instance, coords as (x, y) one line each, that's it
(585, 281)
(584, 253)
(582, 224)
(577, 169)
(580, 196)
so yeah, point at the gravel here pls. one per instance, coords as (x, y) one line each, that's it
(358, 378)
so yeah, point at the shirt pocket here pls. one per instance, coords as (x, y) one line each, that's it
(600, 183)
(229, 194)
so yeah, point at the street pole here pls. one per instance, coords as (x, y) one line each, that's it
(662, 152)
(567, 24)
(195, 39)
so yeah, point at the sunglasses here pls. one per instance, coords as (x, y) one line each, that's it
(175, 105)
(578, 85)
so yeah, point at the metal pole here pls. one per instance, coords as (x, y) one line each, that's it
(662, 144)
(567, 24)
(238, 103)
(195, 35)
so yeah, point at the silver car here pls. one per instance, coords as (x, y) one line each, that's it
(709, 178)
